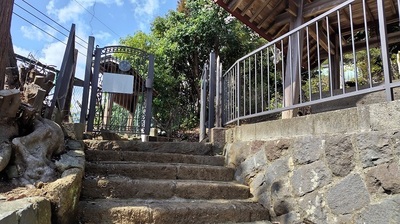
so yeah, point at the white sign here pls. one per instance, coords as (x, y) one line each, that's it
(117, 83)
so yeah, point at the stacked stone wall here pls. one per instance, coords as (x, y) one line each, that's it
(338, 177)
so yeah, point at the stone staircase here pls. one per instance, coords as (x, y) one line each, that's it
(134, 182)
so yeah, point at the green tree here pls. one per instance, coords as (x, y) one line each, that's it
(181, 42)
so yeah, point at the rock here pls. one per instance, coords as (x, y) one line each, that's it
(75, 145)
(312, 207)
(387, 211)
(5, 155)
(9, 103)
(250, 167)
(12, 172)
(73, 131)
(374, 148)
(384, 178)
(260, 185)
(309, 177)
(275, 149)
(71, 159)
(237, 153)
(307, 149)
(281, 198)
(9, 129)
(348, 196)
(34, 152)
(35, 210)
(339, 154)
(34, 95)
(64, 194)
(291, 217)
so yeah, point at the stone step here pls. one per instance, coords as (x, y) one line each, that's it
(192, 148)
(137, 170)
(108, 155)
(124, 188)
(175, 211)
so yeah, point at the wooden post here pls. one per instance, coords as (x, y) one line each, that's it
(292, 82)
(6, 8)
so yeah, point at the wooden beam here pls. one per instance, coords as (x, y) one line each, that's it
(318, 7)
(281, 31)
(323, 40)
(247, 7)
(292, 8)
(244, 20)
(310, 9)
(259, 10)
(234, 4)
(393, 7)
(267, 17)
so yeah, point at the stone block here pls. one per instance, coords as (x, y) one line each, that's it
(5, 154)
(384, 178)
(307, 149)
(281, 198)
(10, 101)
(218, 139)
(387, 211)
(32, 210)
(237, 153)
(384, 116)
(64, 194)
(310, 177)
(250, 167)
(339, 154)
(348, 196)
(246, 132)
(275, 149)
(374, 148)
(261, 184)
(339, 121)
(312, 208)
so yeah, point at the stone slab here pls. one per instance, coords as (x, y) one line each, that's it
(177, 211)
(33, 210)
(124, 188)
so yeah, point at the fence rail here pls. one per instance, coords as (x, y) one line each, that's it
(336, 55)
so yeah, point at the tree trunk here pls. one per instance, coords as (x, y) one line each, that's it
(6, 8)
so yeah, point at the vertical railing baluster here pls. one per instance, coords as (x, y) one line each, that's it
(367, 44)
(319, 61)
(353, 45)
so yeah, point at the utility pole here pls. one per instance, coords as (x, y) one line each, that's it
(7, 57)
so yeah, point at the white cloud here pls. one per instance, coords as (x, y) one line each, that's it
(74, 9)
(22, 51)
(142, 7)
(32, 33)
(102, 35)
(52, 54)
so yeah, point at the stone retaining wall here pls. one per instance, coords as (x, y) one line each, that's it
(339, 175)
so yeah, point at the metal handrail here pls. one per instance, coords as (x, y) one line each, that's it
(258, 84)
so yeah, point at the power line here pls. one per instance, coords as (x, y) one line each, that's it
(44, 31)
(48, 24)
(96, 18)
(51, 19)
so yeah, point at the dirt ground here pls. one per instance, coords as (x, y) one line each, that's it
(10, 192)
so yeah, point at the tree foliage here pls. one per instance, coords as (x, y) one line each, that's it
(181, 42)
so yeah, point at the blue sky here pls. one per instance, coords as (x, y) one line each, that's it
(106, 20)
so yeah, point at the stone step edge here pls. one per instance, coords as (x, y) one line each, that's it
(126, 178)
(170, 200)
(153, 164)
(175, 210)
(217, 160)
